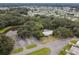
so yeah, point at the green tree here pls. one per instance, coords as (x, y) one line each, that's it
(33, 26)
(24, 33)
(62, 32)
(38, 34)
(6, 45)
(76, 31)
(29, 29)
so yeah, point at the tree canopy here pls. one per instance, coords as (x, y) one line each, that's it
(6, 45)
(62, 32)
(30, 28)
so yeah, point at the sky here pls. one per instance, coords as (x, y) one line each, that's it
(39, 1)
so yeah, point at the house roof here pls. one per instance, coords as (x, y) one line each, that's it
(74, 49)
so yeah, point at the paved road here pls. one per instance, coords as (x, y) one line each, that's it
(57, 46)
(54, 47)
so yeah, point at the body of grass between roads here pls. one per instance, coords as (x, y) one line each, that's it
(31, 46)
(43, 51)
(17, 50)
(68, 46)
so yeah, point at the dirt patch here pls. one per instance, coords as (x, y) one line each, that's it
(47, 39)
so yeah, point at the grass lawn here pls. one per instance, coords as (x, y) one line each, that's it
(31, 46)
(5, 29)
(17, 50)
(68, 46)
(43, 51)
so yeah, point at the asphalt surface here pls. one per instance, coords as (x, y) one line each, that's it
(55, 47)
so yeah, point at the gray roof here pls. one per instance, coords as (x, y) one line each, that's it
(74, 50)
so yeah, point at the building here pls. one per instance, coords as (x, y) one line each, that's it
(47, 32)
(74, 49)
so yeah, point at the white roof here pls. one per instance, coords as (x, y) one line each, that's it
(47, 32)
